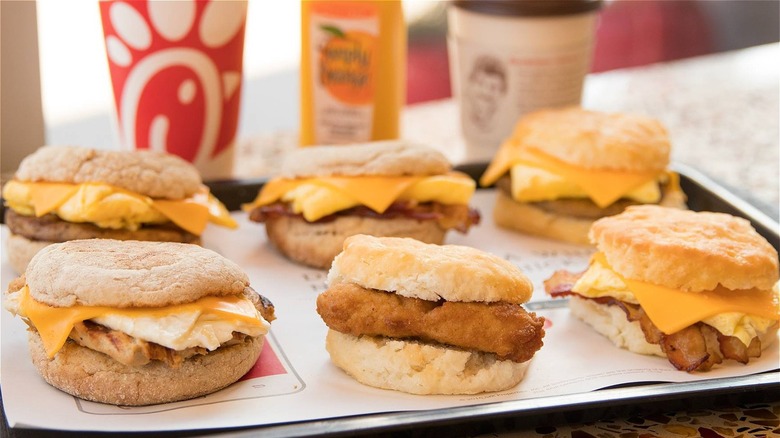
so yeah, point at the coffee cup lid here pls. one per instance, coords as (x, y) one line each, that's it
(529, 7)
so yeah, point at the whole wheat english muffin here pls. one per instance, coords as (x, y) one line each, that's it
(154, 174)
(428, 319)
(62, 193)
(694, 287)
(389, 188)
(561, 169)
(138, 323)
(382, 158)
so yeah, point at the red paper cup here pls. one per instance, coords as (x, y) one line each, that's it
(176, 73)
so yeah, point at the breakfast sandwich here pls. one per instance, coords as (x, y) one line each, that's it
(428, 319)
(138, 323)
(562, 169)
(327, 193)
(62, 193)
(694, 287)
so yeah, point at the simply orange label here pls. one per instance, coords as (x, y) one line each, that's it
(347, 65)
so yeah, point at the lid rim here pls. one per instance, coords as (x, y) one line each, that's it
(529, 8)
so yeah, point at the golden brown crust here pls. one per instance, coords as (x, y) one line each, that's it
(680, 249)
(385, 158)
(90, 375)
(154, 174)
(505, 329)
(596, 140)
(419, 368)
(317, 244)
(430, 272)
(128, 273)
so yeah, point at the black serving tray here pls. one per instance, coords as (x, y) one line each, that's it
(622, 401)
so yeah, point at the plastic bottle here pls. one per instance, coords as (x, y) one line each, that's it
(353, 71)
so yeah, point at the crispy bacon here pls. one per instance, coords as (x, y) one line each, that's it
(695, 348)
(457, 217)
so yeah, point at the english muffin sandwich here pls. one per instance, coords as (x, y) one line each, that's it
(62, 193)
(428, 319)
(564, 168)
(138, 323)
(696, 288)
(327, 193)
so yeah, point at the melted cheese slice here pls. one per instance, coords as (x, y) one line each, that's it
(604, 187)
(319, 197)
(672, 310)
(192, 214)
(54, 324)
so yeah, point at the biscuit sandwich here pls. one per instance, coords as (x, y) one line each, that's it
(62, 193)
(694, 287)
(428, 319)
(326, 193)
(562, 169)
(138, 323)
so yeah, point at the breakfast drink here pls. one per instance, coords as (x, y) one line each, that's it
(176, 74)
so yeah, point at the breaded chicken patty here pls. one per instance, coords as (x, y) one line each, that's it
(501, 328)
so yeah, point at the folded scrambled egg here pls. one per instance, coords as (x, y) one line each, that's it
(107, 206)
(601, 281)
(315, 198)
(532, 184)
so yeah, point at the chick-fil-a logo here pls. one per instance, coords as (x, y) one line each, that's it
(176, 73)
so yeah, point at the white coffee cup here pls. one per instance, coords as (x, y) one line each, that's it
(508, 58)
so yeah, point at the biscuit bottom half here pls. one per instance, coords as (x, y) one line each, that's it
(419, 368)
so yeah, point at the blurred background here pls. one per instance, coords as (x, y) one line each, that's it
(55, 87)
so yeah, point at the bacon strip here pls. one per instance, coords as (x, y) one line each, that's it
(695, 348)
(457, 217)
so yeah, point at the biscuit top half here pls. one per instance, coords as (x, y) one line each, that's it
(382, 158)
(429, 272)
(155, 174)
(686, 250)
(595, 140)
(121, 274)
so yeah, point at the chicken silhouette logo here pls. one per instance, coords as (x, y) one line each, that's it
(176, 73)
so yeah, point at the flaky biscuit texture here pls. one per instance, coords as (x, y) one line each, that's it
(687, 250)
(611, 322)
(429, 272)
(381, 158)
(526, 217)
(154, 174)
(129, 273)
(419, 368)
(317, 244)
(94, 376)
(596, 140)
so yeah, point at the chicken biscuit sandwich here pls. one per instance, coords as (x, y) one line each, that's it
(562, 169)
(428, 319)
(327, 193)
(138, 323)
(62, 193)
(696, 288)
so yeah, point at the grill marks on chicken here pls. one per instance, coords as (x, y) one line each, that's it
(697, 347)
(132, 351)
(504, 329)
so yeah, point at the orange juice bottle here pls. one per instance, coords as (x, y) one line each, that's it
(353, 71)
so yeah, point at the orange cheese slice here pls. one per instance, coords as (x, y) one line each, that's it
(604, 187)
(54, 324)
(192, 214)
(375, 192)
(47, 197)
(671, 310)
